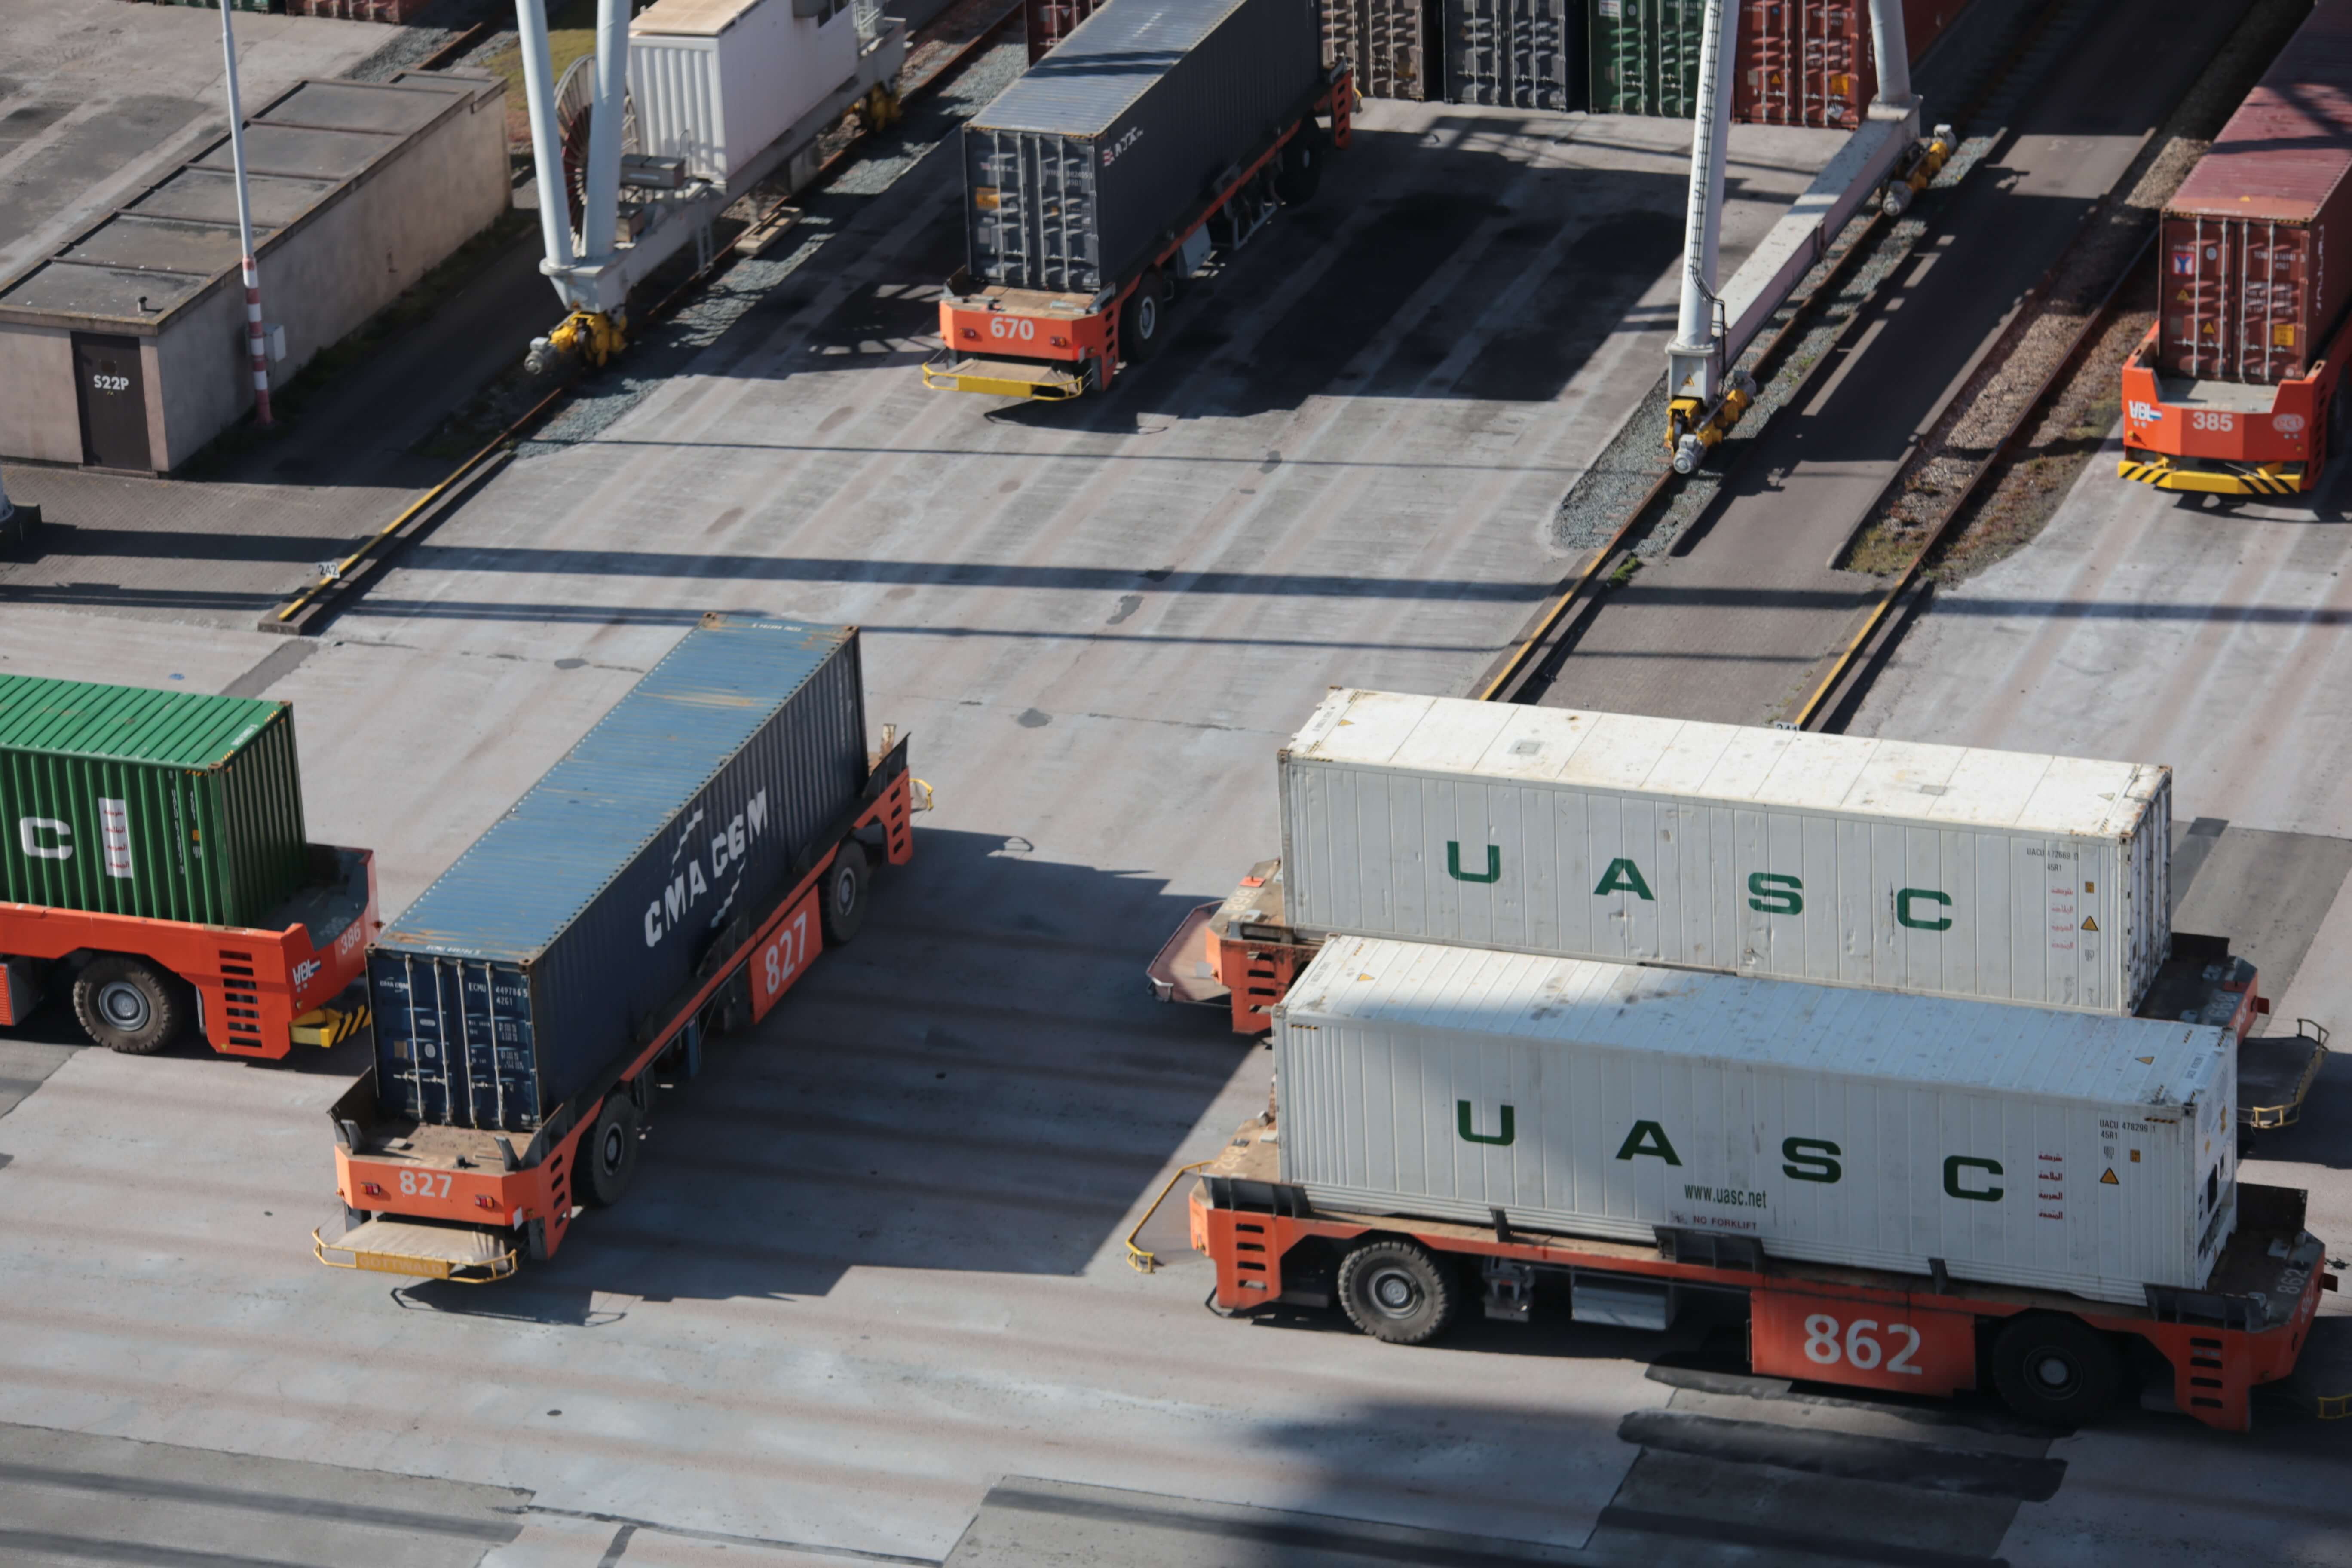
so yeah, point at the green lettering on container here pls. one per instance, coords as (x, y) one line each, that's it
(1810, 1159)
(1905, 897)
(1956, 1163)
(1775, 893)
(1500, 1140)
(1453, 864)
(1649, 1137)
(1624, 876)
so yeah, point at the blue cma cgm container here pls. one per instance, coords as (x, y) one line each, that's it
(536, 965)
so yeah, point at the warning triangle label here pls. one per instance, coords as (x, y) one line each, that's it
(2109, 1179)
(2090, 924)
(2145, 1061)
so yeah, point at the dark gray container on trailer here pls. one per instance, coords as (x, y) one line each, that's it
(1083, 166)
(1517, 54)
(546, 957)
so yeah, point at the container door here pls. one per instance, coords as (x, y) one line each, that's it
(2271, 337)
(2198, 272)
(1050, 21)
(112, 393)
(1644, 57)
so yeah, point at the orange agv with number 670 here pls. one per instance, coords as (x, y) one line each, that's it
(666, 882)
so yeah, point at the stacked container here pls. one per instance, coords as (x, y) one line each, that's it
(524, 974)
(1517, 54)
(166, 804)
(2250, 292)
(1115, 139)
(2012, 1145)
(1800, 62)
(1930, 869)
(1386, 43)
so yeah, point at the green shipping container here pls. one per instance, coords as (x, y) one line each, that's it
(1645, 57)
(168, 804)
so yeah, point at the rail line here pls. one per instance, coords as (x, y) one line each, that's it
(1513, 678)
(1888, 617)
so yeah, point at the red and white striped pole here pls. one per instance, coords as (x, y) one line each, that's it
(254, 343)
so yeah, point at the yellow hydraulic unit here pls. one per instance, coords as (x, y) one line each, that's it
(1915, 170)
(1692, 428)
(594, 335)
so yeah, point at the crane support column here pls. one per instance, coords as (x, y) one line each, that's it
(546, 148)
(601, 203)
(1894, 53)
(1696, 365)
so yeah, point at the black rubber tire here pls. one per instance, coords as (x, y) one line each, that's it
(608, 1155)
(1395, 1291)
(130, 1005)
(2339, 423)
(1301, 171)
(842, 893)
(2055, 1369)
(1144, 320)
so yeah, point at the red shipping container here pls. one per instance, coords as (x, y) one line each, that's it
(1812, 62)
(1048, 22)
(2251, 293)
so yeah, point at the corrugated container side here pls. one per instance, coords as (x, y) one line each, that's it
(2249, 290)
(674, 85)
(717, 98)
(1048, 22)
(2021, 1147)
(1804, 62)
(1386, 42)
(1079, 169)
(166, 805)
(1440, 842)
(1517, 54)
(608, 968)
(1644, 56)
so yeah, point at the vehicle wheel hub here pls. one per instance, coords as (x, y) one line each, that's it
(124, 1005)
(2054, 1373)
(1394, 1292)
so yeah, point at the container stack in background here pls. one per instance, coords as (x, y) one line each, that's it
(1802, 62)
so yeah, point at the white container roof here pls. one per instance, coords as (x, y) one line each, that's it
(1954, 786)
(1940, 1041)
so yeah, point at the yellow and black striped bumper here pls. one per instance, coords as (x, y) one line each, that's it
(2268, 479)
(328, 1026)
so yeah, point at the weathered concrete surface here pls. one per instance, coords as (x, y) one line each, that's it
(97, 102)
(872, 1264)
(2143, 628)
(77, 1498)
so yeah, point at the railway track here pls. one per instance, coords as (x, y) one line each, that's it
(2023, 365)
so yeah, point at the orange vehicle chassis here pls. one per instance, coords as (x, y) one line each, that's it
(1854, 1327)
(533, 1192)
(2273, 440)
(1079, 331)
(251, 985)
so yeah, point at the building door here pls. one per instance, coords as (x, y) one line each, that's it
(113, 398)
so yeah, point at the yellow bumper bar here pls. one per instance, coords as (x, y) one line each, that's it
(328, 1026)
(2269, 479)
(1005, 377)
(462, 1253)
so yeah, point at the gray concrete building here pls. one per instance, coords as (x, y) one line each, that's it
(126, 347)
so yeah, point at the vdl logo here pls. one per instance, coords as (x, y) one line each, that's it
(1768, 892)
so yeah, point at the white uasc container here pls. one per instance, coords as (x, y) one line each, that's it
(715, 81)
(2020, 1146)
(1850, 861)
